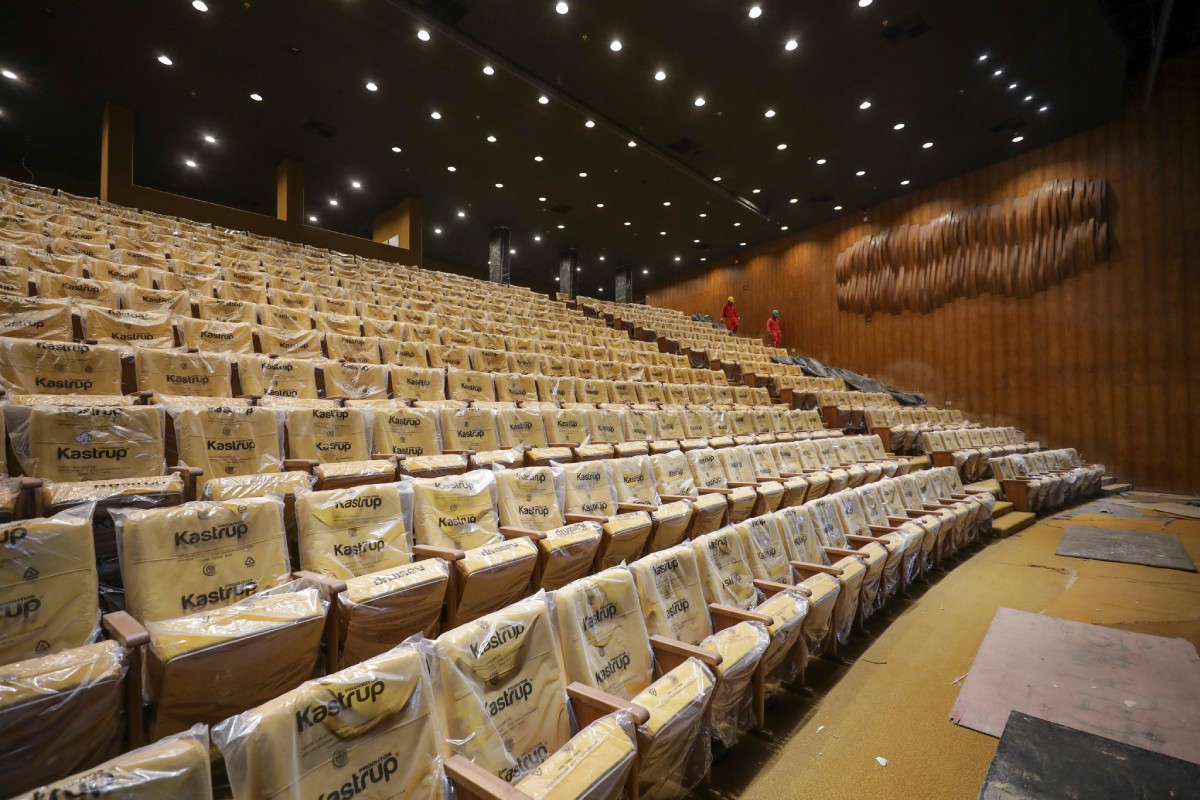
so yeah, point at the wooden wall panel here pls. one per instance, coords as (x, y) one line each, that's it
(1108, 361)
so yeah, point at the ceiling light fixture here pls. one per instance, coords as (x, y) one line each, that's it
(737, 224)
(677, 258)
(717, 178)
(462, 214)
(1012, 86)
(438, 231)
(435, 114)
(312, 217)
(423, 35)
(583, 174)
(905, 182)
(699, 101)
(628, 223)
(861, 172)
(695, 241)
(1043, 109)
(256, 97)
(1018, 139)
(356, 184)
(199, 5)
(190, 163)
(333, 201)
(756, 191)
(601, 258)
(538, 158)
(396, 148)
(899, 126)
(599, 288)
(512, 251)
(783, 227)
(165, 61)
(741, 244)
(599, 205)
(372, 86)
(997, 73)
(541, 199)
(12, 76)
(781, 147)
(927, 145)
(615, 46)
(561, 8)
(208, 137)
(645, 272)
(792, 44)
(632, 143)
(755, 12)
(770, 112)
(837, 208)
(864, 105)
(864, 3)
(660, 76)
(537, 238)
(488, 70)
(543, 100)
(662, 233)
(499, 185)
(821, 161)
(794, 200)
(1028, 97)
(983, 57)
(492, 139)
(702, 215)
(589, 124)
(561, 227)
(452, 169)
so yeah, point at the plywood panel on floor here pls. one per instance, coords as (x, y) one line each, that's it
(1124, 546)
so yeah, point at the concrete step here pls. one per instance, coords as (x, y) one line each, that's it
(1107, 479)
(1001, 508)
(1115, 488)
(1012, 522)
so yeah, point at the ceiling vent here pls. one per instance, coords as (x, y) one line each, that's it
(905, 30)
(821, 198)
(562, 208)
(1009, 125)
(684, 146)
(447, 11)
(319, 128)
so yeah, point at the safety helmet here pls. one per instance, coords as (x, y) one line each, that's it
(730, 299)
(775, 313)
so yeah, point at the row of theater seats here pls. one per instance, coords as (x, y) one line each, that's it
(1043, 481)
(735, 604)
(970, 449)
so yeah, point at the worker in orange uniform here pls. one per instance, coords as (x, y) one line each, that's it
(730, 316)
(774, 329)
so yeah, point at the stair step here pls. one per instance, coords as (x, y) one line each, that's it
(1107, 479)
(1012, 522)
(920, 462)
(1115, 488)
(1001, 508)
(991, 485)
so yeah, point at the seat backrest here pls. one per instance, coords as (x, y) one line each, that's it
(343, 347)
(672, 598)
(456, 511)
(227, 440)
(589, 489)
(127, 328)
(531, 497)
(347, 533)
(291, 343)
(465, 384)
(183, 374)
(633, 479)
(218, 310)
(828, 523)
(354, 380)
(198, 556)
(515, 387)
(737, 463)
(36, 367)
(217, 337)
(725, 569)
(81, 442)
(798, 528)
(601, 634)
(277, 377)
(328, 435)
(766, 553)
(606, 424)
(706, 468)
(501, 695)
(468, 429)
(639, 425)
(566, 425)
(402, 430)
(873, 505)
(417, 383)
(35, 318)
(369, 727)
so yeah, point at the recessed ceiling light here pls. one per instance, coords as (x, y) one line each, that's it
(541, 199)
(1043, 109)
(861, 172)
(628, 223)
(645, 272)
(615, 46)
(256, 97)
(8, 73)
(864, 3)
(538, 158)
(794, 200)
(537, 238)
(821, 161)
(356, 184)
(499, 185)
(543, 99)
(695, 241)
(190, 163)
(792, 44)
(741, 244)
(837, 208)
(395, 149)
(781, 147)
(601, 258)
(435, 114)
(702, 216)
(1028, 97)
(704, 259)
(208, 137)
(755, 12)
(660, 76)
(488, 70)
(599, 205)
(583, 174)
(632, 143)
(756, 191)
(1012, 86)
(998, 73)
(561, 8)
(462, 214)
(333, 201)
(905, 182)
(372, 86)
(512, 251)
(899, 126)
(770, 112)
(451, 169)
(864, 105)
(600, 289)
(492, 139)
(589, 124)
(699, 101)
(561, 227)
(662, 233)
(423, 35)
(557, 279)
(677, 258)
(312, 217)
(1018, 139)
(199, 5)
(983, 57)
(438, 231)
(666, 202)
(783, 227)
(927, 145)
(717, 178)
(165, 61)
(737, 224)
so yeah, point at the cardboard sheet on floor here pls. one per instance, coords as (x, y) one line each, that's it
(1138, 689)
(1126, 547)
(1039, 759)
(1186, 510)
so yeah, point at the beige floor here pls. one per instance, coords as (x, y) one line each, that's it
(892, 695)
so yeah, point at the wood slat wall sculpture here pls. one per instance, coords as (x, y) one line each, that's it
(1015, 248)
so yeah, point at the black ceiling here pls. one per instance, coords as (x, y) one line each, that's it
(916, 61)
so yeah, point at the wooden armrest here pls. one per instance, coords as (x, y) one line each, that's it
(674, 498)
(898, 521)
(509, 532)
(331, 584)
(467, 453)
(770, 588)
(856, 539)
(881, 529)
(768, 478)
(125, 630)
(585, 518)
(384, 457)
(568, 445)
(592, 704)
(625, 508)
(475, 783)
(444, 553)
(840, 553)
(740, 484)
(301, 464)
(786, 475)
(728, 614)
(914, 513)
(673, 652)
(725, 492)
